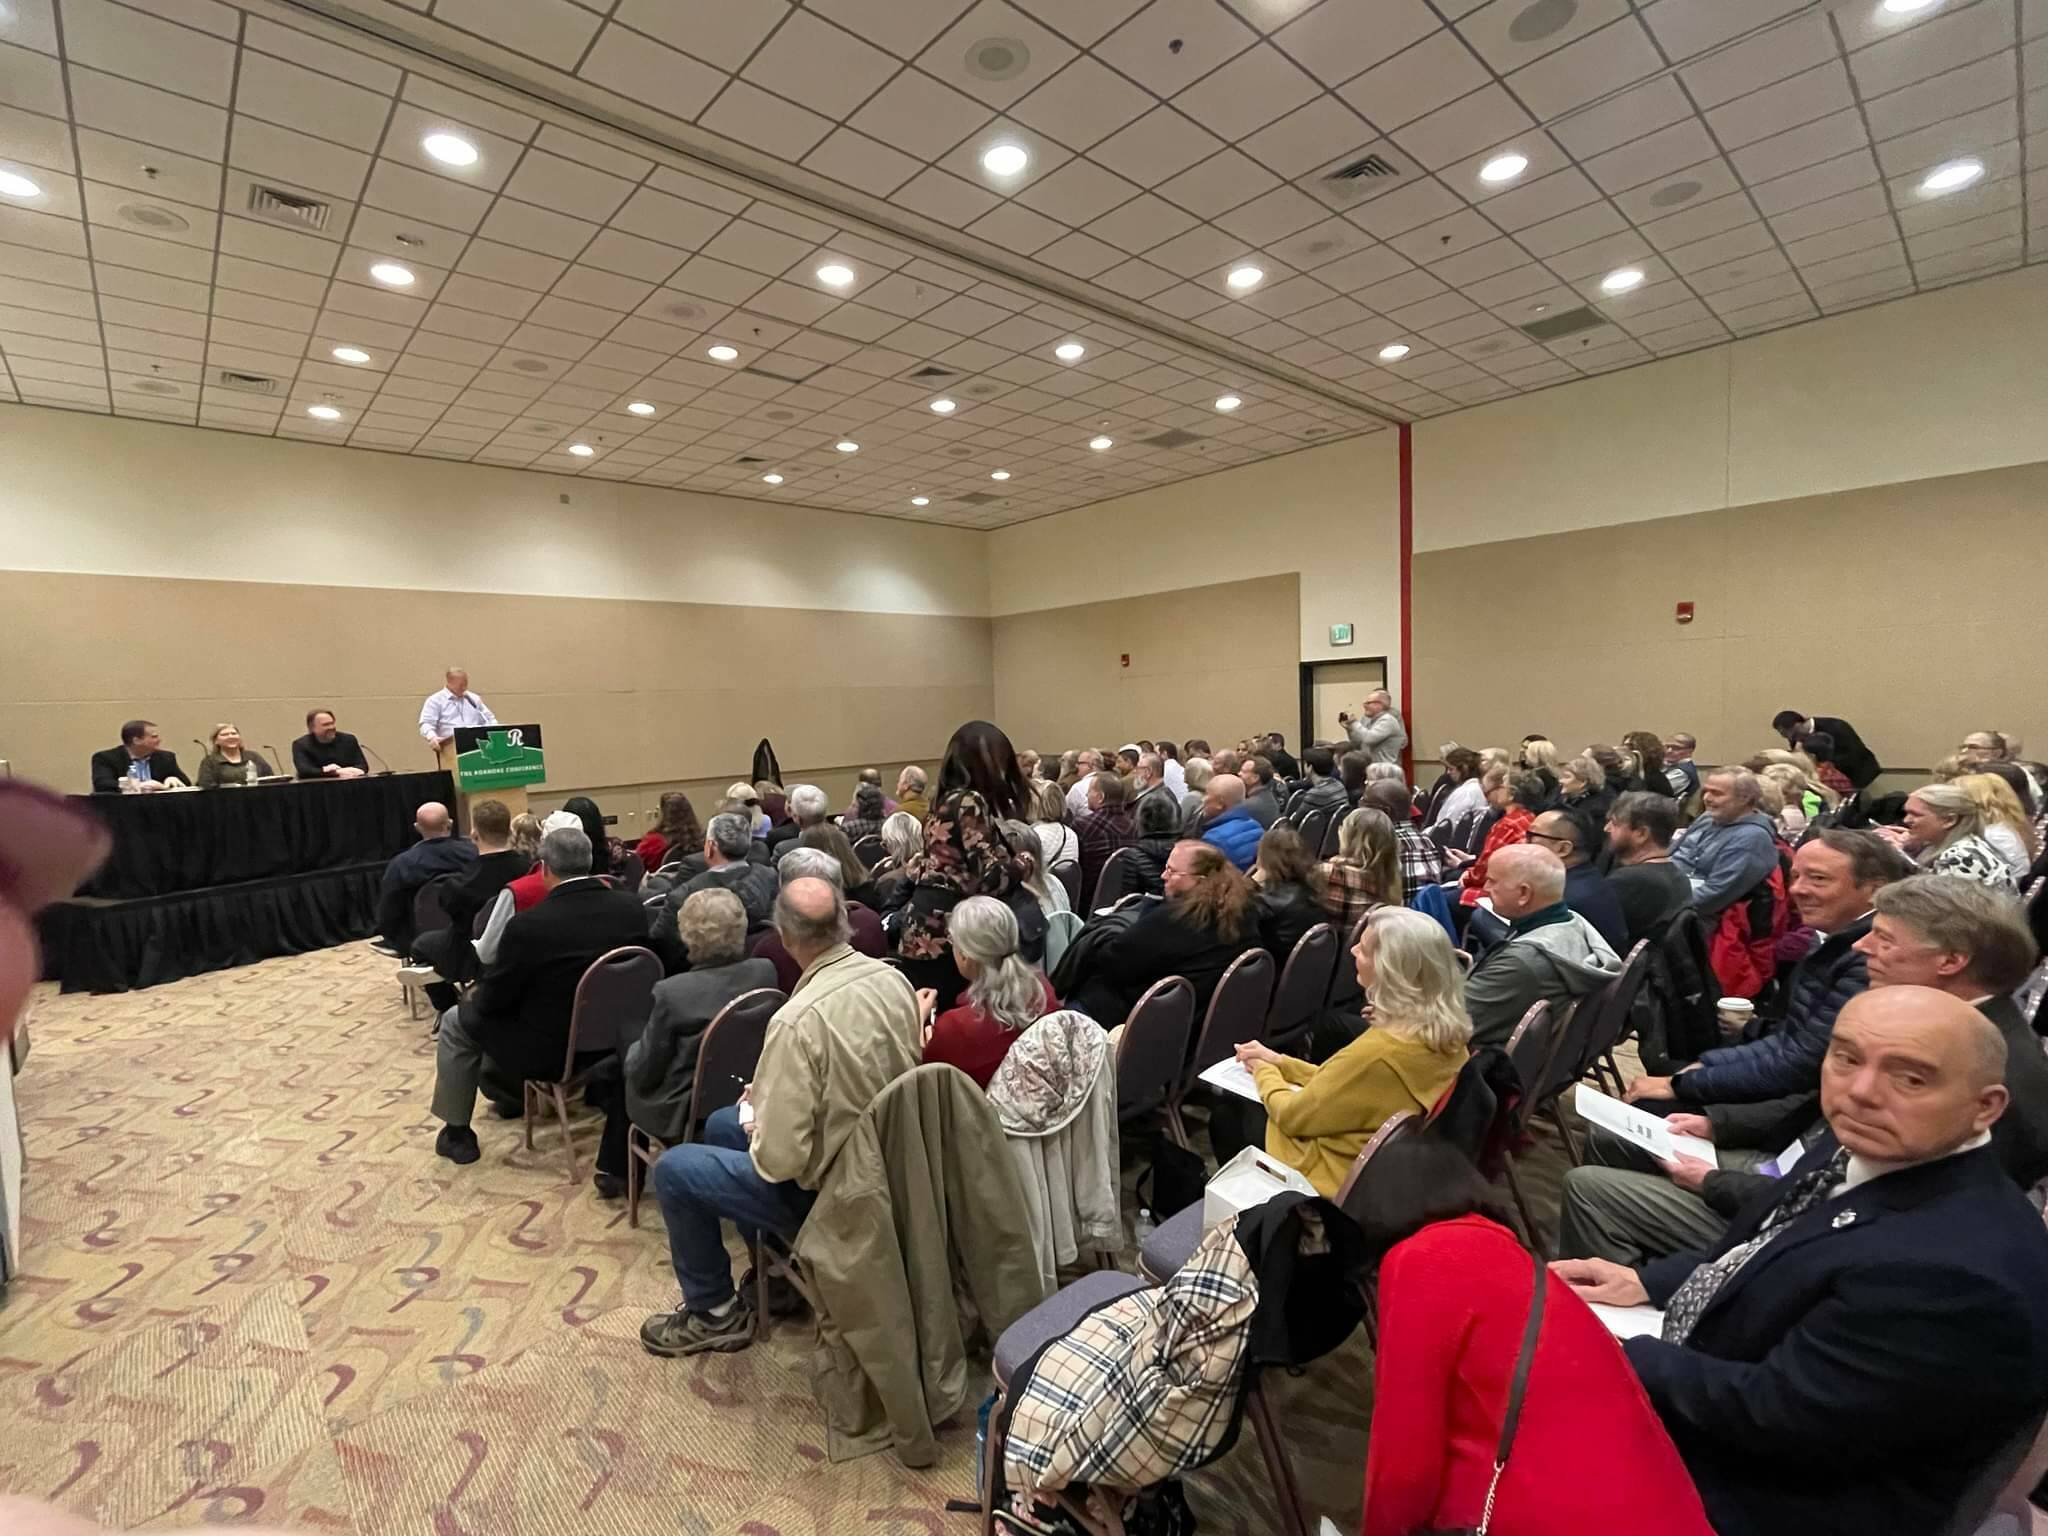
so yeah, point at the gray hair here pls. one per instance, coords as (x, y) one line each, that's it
(1007, 991)
(1198, 771)
(1418, 989)
(814, 862)
(809, 933)
(566, 852)
(731, 834)
(1745, 786)
(1948, 801)
(808, 805)
(1388, 771)
(1964, 917)
(713, 926)
(1152, 765)
(1539, 867)
(903, 836)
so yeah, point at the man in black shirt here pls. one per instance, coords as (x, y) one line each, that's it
(326, 753)
(440, 851)
(1844, 748)
(1650, 888)
(450, 952)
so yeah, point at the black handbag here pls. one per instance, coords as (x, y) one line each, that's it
(1514, 1411)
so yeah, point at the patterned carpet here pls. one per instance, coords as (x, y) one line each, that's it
(251, 1292)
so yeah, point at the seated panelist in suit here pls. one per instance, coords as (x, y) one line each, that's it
(139, 763)
(1870, 1334)
(325, 752)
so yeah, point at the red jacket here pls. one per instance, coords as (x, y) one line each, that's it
(1590, 1454)
(527, 890)
(651, 848)
(1513, 827)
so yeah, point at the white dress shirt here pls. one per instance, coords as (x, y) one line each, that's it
(1176, 777)
(443, 712)
(1862, 1170)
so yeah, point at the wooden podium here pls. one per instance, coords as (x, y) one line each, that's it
(493, 762)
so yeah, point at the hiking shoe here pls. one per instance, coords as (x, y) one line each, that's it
(457, 1143)
(784, 1299)
(609, 1186)
(673, 1335)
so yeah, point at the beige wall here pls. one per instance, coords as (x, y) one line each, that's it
(1911, 610)
(1329, 517)
(1941, 384)
(1061, 682)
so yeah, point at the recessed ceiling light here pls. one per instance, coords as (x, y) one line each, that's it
(1100, 443)
(1228, 403)
(772, 479)
(14, 184)
(1005, 159)
(920, 501)
(1503, 168)
(1070, 351)
(722, 353)
(323, 413)
(944, 407)
(847, 445)
(1622, 280)
(1395, 351)
(834, 275)
(641, 408)
(999, 474)
(1954, 175)
(582, 450)
(351, 355)
(392, 274)
(1246, 276)
(449, 149)
(1907, 7)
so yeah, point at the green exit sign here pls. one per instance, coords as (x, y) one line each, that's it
(1340, 634)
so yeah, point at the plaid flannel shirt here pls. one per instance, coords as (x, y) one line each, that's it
(1345, 892)
(1421, 863)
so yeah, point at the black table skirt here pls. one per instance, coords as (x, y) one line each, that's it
(93, 946)
(169, 843)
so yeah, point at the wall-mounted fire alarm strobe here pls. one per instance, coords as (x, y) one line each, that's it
(1685, 613)
(1125, 659)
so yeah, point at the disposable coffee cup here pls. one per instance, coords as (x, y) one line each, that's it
(1735, 1013)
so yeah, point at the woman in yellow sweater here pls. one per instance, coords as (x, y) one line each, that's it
(1318, 1118)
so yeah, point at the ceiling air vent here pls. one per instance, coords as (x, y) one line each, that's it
(750, 458)
(1363, 167)
(244, 383)
(293, 208)
(976, 499)
(770, 373)
(1569, 323)
(934, 371)
(1170, 439)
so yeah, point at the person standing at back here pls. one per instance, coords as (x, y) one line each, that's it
(1379, 733)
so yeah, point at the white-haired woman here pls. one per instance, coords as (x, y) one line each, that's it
(902, 839)
(1316, 1119)
(1005, 996)
(1944, 834)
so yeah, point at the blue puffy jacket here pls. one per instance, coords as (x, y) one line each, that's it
(1236, 832)
(1788, 1059)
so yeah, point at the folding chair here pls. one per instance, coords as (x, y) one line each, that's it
(1153, 1049)
(1117, 880)
(429, 915)
(1331, 837)
(1531, 1049)
(870, 850)
(1608, 1015)
(1314, 827)
(1068, 873)
(1304, 985)
(631, 871)
(612, 1003)
(1236, 1012)
(726, 1057)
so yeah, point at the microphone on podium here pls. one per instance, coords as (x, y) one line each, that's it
(202, 746)
(383, 768)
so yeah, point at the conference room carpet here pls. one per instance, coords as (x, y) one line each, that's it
(249, 1291)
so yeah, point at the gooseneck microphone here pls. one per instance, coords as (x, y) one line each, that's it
(271, 748)
(383, 768)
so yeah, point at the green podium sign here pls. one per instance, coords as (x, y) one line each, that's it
(498, 757)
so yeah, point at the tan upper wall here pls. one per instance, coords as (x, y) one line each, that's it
(91, 493)
(1941, 384)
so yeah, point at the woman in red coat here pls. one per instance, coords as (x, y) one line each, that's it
(1589, 1452)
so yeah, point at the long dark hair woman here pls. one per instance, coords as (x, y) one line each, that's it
(980, 758)
(677, 833)
(604, 850)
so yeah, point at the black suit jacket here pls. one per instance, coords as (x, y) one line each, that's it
(1857, 762)
(311, 757)
(1857, 1373)
(110, 767)
(521, 1006)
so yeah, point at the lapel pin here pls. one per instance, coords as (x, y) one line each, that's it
(1844, 1219)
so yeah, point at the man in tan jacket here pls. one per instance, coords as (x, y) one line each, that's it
(849, 1029)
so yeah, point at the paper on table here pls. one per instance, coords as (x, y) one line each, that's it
(1629, 1322)
(1639, 1126)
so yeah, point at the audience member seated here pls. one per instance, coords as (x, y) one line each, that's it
(1650, 888)
(1836, 876)
(138, 764)
(515, 1024)
(809, 807)
(849, 1029)
(451, 951)
(1859, 1343)
(1550, 953)
(1378, 733)
(1954, 936)
(1087, 763)
(727, 867)
(902, 841)
(2004, 822)
(441, 850)
(1273, 747)
(1422, 862)
(1354, 773)
(1005, 996)
(867, 936)
(1106, 828)
(857, 881)
(676, 832)
(1324, 790)
(661, 1066)
(1586, 890)
(1171, 773)
(1058, 843)
(1363, 875)
(1801, 802)
(1205, 922)
(1028, 764)
(229, 762)
(911, 786)
(1316, 1119)
(1148, 782)
(1455, 1290)
(1517, 802)
(1158, 831)
(867, 778)
(1226, 824)
(1731, 847)
(1198, 772)
(1584, 794)
(1538, 755)
(1284, 903)
(1647, 747)
(325, 752)
(1462, 793)
(607, 853)
(1680, 771)
(1943, 833)
(1261, 801)
(868, 814)
(1036, 880)
(1845, 749)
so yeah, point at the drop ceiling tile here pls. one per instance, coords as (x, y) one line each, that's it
(1172, 43)
(1016, 228)
(296, 160)
(566, 187)
(1473, 123)
(1221, 182)
(130, 250)
(1545, 198)
(1845, 173)
(709, 278)
(298, 98)
(1988, 83)
(1698, 221)
(1443, 237)
(1656, 155)
(147, 115)
(1781, 154)
(1791, 102)
(1487, 258)
(753, 117)
(1756, 62)
(1077, 193)
(585, 151)
(971, 54)
(1141, 223)
(1399, 211)
(132, 43)
(1972, 133)
(1135, 279)
(1953, 37)
(1510, 34)
(1197, 251)
(812, 61)
(1831, 213)
(415, 194)
(1336, 42)
(431, 96)
(124, 163)
(1718, 250)
(552, 31)
(1253, 89)
(43, 143)
(1687, 28)
(1080, 255)
(857, 161)
(1632, 115)
(947, 198)
(1156, 147)
(1593, 67)
(916, 113)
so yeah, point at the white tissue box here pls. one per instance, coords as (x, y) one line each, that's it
(1248, 1179)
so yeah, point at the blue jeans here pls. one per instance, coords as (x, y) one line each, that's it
(697, 1183)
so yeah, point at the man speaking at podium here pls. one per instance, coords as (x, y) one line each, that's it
(450, 707)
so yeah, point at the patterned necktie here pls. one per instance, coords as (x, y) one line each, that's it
(1691, 1299)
